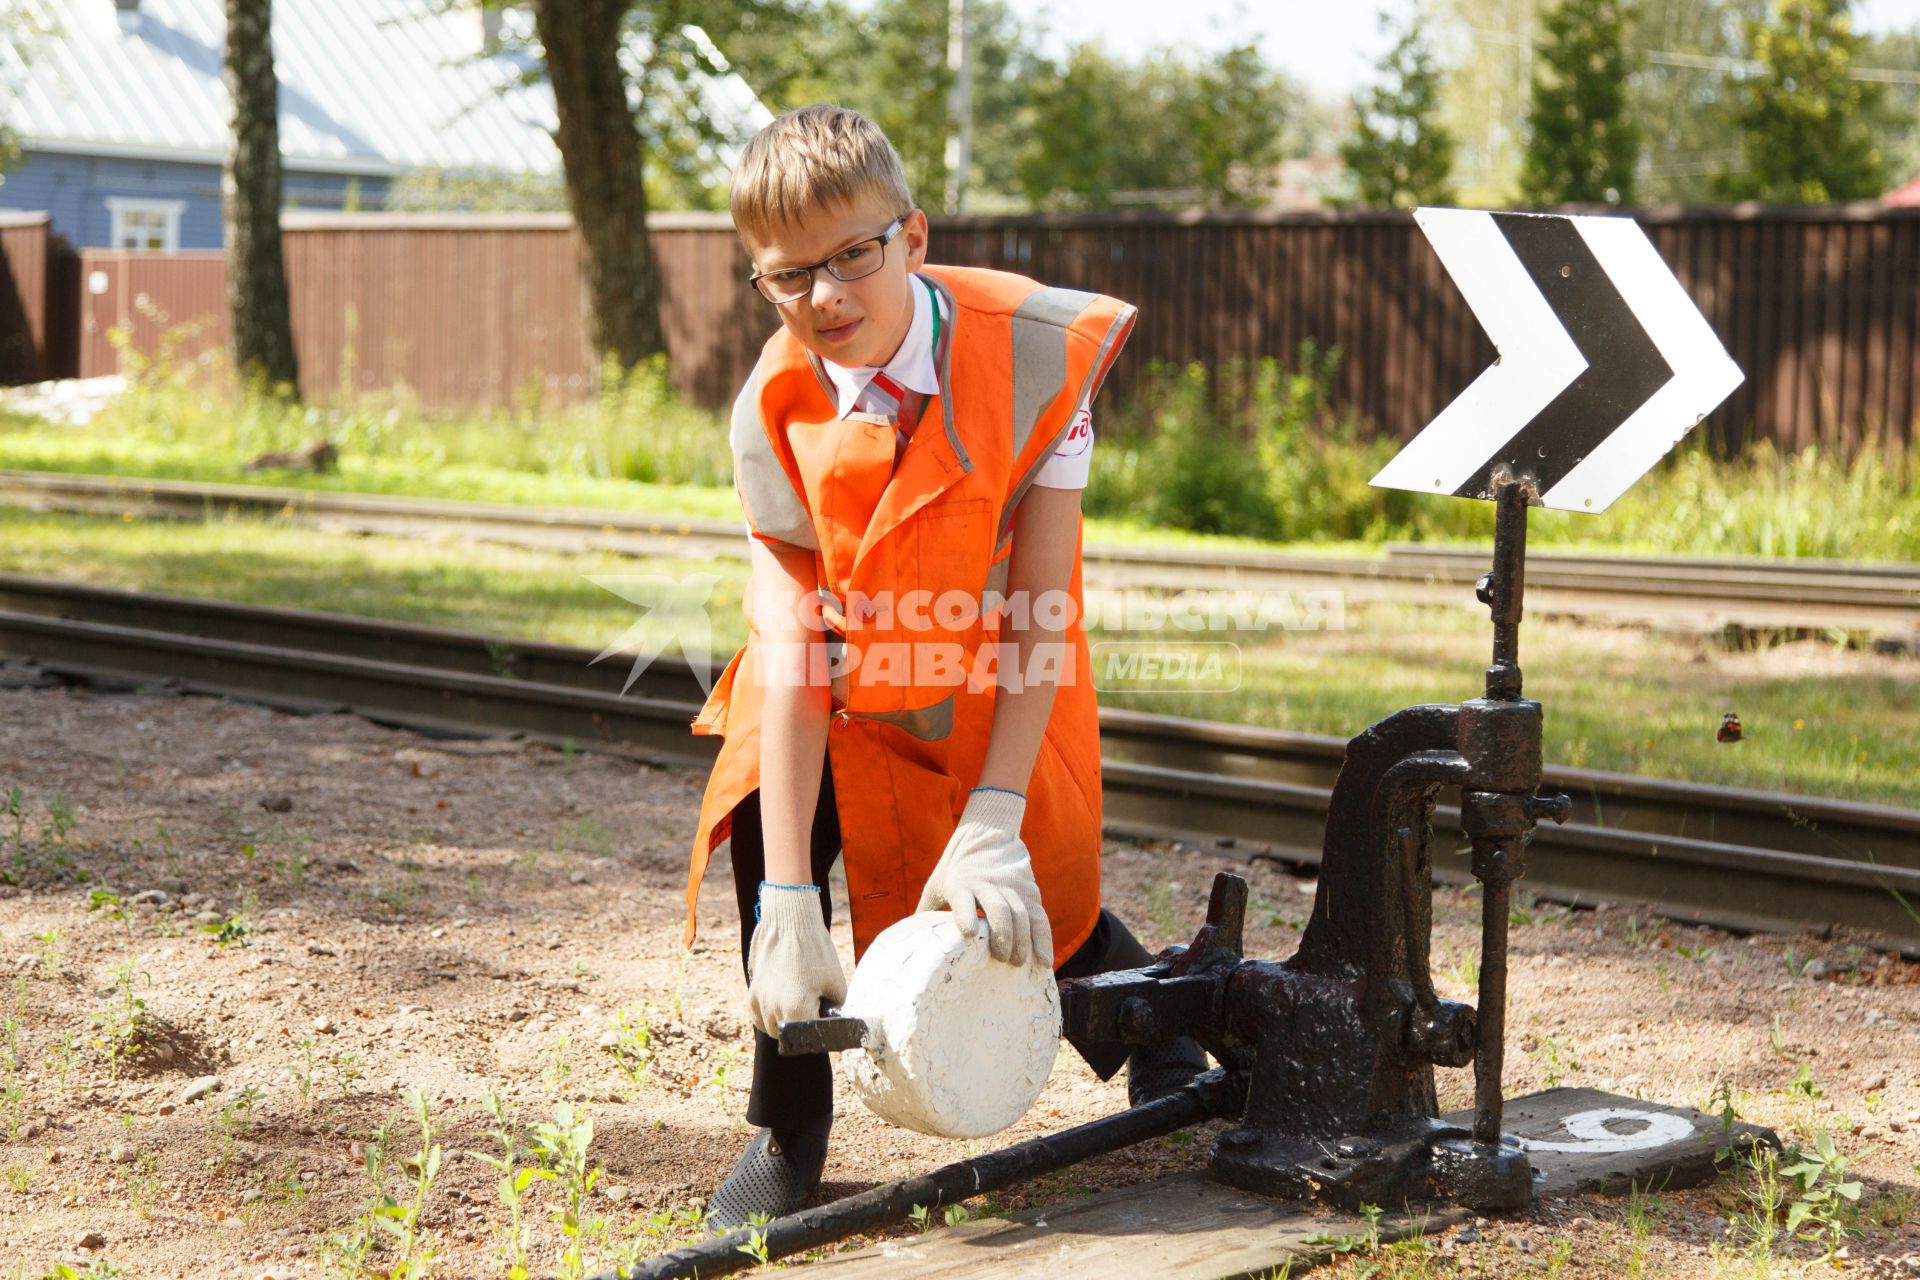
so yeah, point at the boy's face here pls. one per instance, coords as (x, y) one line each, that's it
(850, 322)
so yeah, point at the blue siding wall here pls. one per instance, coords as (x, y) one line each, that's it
(74, 190)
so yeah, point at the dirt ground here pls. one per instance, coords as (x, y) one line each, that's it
(238, 936)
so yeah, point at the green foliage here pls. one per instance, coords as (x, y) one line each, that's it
(1582, 140)
(1085, 131)
(1400, 154)
(1808, 127)
(560, 1147)
(1825, 1206)
(121, 1023)
(1178, 454)
(1165, 131)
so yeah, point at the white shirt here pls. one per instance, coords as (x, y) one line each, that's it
(912, 367)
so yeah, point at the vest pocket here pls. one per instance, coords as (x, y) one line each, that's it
(954, 545)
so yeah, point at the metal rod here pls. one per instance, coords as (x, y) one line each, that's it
(1489, 1052)
(1508, 585)
(1209, 1096)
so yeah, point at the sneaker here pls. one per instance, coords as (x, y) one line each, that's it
(1156, 1070)
(778, 1174)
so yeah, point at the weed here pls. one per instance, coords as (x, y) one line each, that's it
(1777, 1038)
(345, 1253)
(955, 1214)
(1642, 1208)
(513, 1183)
(51, 951)
(722, 1078)
(587, 834)
(293, 870)
(141, 1178)
(59, 825)
(1160, 908)
(559, 1068)
(301, 1068)
(403, 1221)
(1522, 911)
(66, 1059)
(1638, 933)
(1824, 1209)
(1462, 968)
(561, 1146)
(756, 1245)
(228, 931)
(1277, 919)
(921, 1219)
(347, 1069)
(1701, 952)
(1367, 1241)
(631, 1046)
(1795, 962)
(400, 898)
(16, 809)
(19, 1179)
(97, 1269)
(1559, 1254)
(235, 1120)
(13, 1091)
(1725, 1108)
(107, 903)
(122, 1023)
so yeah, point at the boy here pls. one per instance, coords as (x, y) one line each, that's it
(916, 695)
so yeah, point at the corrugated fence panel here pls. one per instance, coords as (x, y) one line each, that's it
(1817, 305)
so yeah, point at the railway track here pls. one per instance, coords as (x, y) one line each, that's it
(1678, 593)
(1716, 855)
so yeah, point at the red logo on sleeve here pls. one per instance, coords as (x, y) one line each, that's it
(1079, 436)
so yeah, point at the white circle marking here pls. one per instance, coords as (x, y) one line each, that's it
(1659, 1128)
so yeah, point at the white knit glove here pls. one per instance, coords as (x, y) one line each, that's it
(791, 963)
(986, 866)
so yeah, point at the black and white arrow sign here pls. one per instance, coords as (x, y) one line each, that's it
(1605, 363)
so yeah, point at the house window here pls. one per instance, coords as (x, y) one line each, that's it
(145, 224)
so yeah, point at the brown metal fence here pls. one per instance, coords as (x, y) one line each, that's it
(27, 253)
(1819, 306)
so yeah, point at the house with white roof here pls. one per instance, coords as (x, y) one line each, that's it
(122, 117)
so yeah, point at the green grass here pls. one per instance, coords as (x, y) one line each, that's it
(1818, 721)
(1185, 460)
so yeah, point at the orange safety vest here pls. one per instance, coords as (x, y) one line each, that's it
(908, 738)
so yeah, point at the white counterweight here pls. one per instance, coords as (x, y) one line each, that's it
(961, 1044)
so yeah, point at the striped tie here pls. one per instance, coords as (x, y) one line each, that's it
(890, 397)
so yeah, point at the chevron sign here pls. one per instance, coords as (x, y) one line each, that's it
(1604, 362)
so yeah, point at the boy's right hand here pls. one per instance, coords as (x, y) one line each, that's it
(791, 963)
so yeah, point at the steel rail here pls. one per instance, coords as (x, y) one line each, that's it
(1717, 855)
(1697, 592)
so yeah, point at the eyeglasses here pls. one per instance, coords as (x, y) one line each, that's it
(851, 263)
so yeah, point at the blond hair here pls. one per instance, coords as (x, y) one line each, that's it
(809, 158)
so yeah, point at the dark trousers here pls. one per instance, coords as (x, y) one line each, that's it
(797, 1092)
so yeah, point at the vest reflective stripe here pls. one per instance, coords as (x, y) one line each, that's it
(929, 724)
(1040, 328)
(767, 493)
(1116, 334)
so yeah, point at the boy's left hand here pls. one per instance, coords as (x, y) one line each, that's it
(986, 869)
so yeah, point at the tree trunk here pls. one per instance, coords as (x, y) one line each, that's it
(600, 150)
(250, 202)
